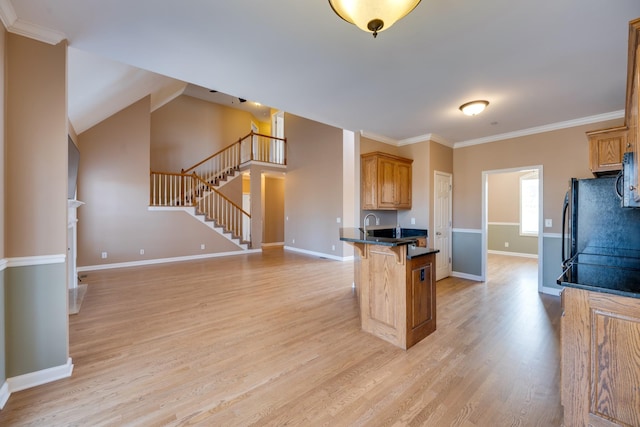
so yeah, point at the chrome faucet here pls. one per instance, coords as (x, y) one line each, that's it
(364, 222)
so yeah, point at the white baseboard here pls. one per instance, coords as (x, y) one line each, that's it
(163, 260)
(4, 394)
(518, 254)
(33, 379)
(319, 254)
(467, 276)
(551, 291)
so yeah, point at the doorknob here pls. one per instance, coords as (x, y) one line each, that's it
(438, 233)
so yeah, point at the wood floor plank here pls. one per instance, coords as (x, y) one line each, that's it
(274, 339)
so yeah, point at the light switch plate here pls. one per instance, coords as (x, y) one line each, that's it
(548, 222)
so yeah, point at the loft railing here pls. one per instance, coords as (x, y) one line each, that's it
(263, 148)
(252, 147)
(180, 189)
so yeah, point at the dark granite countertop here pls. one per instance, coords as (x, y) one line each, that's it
(355, 235)
(609, 270)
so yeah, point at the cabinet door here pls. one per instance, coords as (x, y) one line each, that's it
(403, 185)
(369, 184)
(386, 183)
(600, 359)
(421, 299)
(606, 151)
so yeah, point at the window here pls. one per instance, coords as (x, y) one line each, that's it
(529, 204)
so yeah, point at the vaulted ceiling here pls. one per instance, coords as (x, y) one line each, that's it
(541, 64)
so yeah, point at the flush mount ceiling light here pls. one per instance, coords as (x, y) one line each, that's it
(474, 107)
(372, 15)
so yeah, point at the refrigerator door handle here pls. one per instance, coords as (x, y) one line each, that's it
(565, 209)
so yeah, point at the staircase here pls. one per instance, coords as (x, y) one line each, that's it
(198, 186)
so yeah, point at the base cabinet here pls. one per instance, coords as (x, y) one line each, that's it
(600, 359)
(397, 295)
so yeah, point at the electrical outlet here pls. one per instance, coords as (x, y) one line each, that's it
(104, 255)
(506, 244)
(338, 220)
(293, 241)
(141, 251)
(333, 247)
(377, 221)
(202, 246)
(413, 221)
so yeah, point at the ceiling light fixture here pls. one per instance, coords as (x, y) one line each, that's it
(372, 15)
(474, 107)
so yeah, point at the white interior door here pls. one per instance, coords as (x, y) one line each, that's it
(442, 223)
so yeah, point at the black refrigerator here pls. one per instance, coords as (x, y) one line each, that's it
(600, 239)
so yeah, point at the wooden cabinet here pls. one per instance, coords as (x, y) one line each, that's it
(606, 148)
(600, 359)
(385, 182)
(421, 298)
(397, 295)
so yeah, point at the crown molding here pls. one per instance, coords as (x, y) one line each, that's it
(380, 138)
(541, 129)
(27, 29)
(493, 138)
(408, 141)
(426, 137)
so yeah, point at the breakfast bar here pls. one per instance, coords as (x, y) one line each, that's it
(395, 283)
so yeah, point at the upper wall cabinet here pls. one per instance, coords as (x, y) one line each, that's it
(606, 148)
(385, 182)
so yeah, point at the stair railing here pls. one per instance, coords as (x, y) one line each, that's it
(180, 189)
(218, 165)
(172, 189)
(218, 208)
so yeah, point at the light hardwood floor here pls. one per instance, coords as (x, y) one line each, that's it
(274, 339)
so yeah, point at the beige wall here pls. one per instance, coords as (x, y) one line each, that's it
(503, 197)
(34, 293)
(562, 153)
(420, 183)
(188, 130)
(114, 183)
(313, 186)
(273, 210)
(368, 145)
(36, 151)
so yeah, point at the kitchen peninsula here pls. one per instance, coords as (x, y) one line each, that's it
(395, 282)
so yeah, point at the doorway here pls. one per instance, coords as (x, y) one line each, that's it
(512, 214)
(442, 221)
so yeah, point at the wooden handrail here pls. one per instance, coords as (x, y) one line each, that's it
(210, 157)
(171, 173)
(196, 177)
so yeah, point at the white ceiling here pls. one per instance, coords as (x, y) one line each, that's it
(539, 63)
